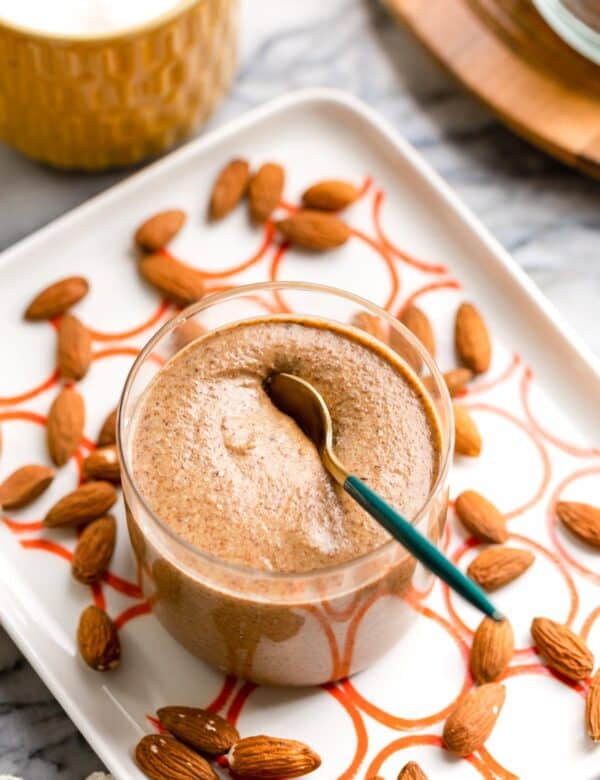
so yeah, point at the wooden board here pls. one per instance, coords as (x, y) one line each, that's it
(504, 52)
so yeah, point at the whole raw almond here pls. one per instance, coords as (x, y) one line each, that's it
(229, 188)
(199, 729)
(66, 419)
(492, 648)
(314, 230)
(159, 229)
(467, 439)
(472, 339)
(265, 190)
(161, 757)
(108, 432)
(497, 566)
(103, 463)
(563, 649)
(456, 379)
(472, 720)
(412, 771)
(592, 708)
(480, 517)
(24, 485)
(74, 348)
(98, 640)
(419, 325)
(175, 280)
(57, 298)
(84, 504)
(94, 550)
(330, 195)
(583, 520)
(268, 757)
(371, 324)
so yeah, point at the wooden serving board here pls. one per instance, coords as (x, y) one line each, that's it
(505, 53)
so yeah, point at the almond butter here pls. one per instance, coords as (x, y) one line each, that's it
(467, 439)
(268, 757)
(94, 550)
(199, 729)
(412, 771)
(103, 463)
(315, 230)
(74, 348)
(24, 485)
(472, 339)
(371, 324)
(108, 432)
(472, 720)
(480, 517)
(98, 640)
(161, 757)
(84, 504)
(583, 520)
(175, 280)
(330, 195)
(159, 229)
(592, 708)
(563, 649)
(497, 566)
(419, 325)
(229, 188)
(66, 419)
(57, 298)
(492, 648)
(265, 190)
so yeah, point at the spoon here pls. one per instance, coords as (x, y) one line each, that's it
(303, 403)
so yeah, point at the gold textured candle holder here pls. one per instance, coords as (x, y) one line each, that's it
(94, 102)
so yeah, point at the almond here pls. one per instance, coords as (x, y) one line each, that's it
(268, 757)
(371, 324)
(66, 419)
(471, 722)
(314, 230)
(82, 505)
(57, 298)
(456, 379)
(330, 195)
(108, 432)
(563, 649)
(480, 517)
(419, 325)
(98, 640)
(497, 566)
(412, 771)
(266, 187)
(103, 463)
(175, 280)
(583, 520)
(157, 231)
(161, 757)
(188, 331)
(229, 188)
(74, 348)
(472, 339)
(467, 439)
(24, 485)
(592, 708)
(492, 648)
(199, 729)
(94, 550)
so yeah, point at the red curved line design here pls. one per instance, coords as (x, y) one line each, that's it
(589, 622)
(115, 351)
(443, 284)
(336, 669)
(132, 612)
(577, 452)
(20, 528)
(483, 387)
(409, 259)
(98, 595)
(362, 739)
(499, 771)
(10, 400)
(48, 546)
(233, 713)
(156, 316)
(220, 700)
(122, 585)
(383, 253)
(545, 671)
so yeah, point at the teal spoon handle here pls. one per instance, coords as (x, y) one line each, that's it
(419, 546)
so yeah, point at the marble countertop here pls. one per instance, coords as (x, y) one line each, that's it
(546, 215)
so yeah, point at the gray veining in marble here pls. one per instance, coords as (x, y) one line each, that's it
(547, 216)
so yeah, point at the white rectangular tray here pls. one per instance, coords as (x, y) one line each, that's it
(537, 409)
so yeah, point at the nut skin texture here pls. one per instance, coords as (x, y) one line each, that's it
(94, 550)
(265, 191)
(268, 758)
(330, 195)
(159, 229)
(74, 351)
(419, 325)
(582, 520)
(161, 757)
(471, 722)
(199, 729)
(492, 649)
(562, 649)
(472, 339)
(103, 463)
(480, 517)
(24, 485)
(108, 432)
(57, 298)
(592, 708)
(177, 281)
(467, 439)
(229, 188)
(84, 504)
(98, 640)
(497, 566)
(412, 771)
(456, 379)
(66, 419)
(314, 230)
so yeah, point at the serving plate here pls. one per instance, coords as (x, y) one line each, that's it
(537, 408)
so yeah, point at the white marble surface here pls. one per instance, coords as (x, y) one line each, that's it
(546, 215)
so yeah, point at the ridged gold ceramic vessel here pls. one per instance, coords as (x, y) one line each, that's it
(111, 100)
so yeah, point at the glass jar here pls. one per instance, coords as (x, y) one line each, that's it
(276, 628)
(577, 22)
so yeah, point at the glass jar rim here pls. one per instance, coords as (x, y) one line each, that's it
(240, 290)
